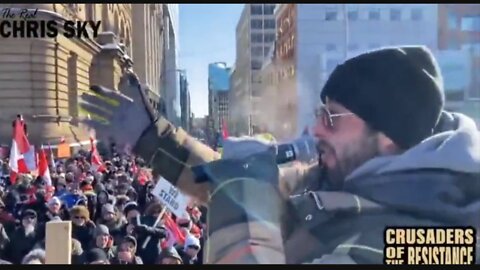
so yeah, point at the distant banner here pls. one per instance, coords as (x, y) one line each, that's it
(63, 151)
(174, 200)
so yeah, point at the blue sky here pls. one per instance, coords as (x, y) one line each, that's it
(207, 35)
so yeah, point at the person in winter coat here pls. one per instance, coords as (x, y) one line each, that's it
(190, 250)
(104, 241)
(96, 256)
(113, 220)
(169, 256)
(126, 252)
(24, 237)
(83, 229)
(390, 155)
(145, 229)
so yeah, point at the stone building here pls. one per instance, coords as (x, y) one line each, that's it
(42, 78)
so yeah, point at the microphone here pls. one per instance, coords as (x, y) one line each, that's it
(303, 149)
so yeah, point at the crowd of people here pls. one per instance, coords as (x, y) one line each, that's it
(112, 211)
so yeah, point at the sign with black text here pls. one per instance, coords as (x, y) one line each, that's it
(174, 200)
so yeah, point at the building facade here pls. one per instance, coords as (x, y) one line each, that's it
(312, 39)
(185, 104)
(218, 94)
(255, 34)
(148, 52)
(42, 78)
(170, 77)
(459, 45)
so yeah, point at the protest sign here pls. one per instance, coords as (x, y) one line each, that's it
(175, 201)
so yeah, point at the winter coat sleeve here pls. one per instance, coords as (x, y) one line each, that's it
(171, 152)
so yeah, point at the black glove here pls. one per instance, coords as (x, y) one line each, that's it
(141, 229)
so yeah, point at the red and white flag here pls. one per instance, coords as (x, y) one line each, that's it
(175, 235)
(20, 147)
(95, 159)
(43, 170)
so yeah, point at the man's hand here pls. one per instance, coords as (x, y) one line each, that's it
(121, 117)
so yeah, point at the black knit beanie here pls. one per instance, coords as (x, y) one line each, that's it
(395, 90)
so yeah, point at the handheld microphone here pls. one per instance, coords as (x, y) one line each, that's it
(302, 149)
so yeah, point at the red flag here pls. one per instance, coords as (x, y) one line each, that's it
(175, 234)
(20, 146)
(224, 129)
(95, 159)
(43, 170)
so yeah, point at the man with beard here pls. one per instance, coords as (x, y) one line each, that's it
(390, 156)
(24, 237)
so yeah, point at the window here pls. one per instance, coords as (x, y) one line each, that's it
(331, 16)
(265, 53)
(256, 37)
(268, 9)
(266, 50)
(331, 47)
(417, 14)
(256, 64)
(269, 38)
(269, 24)
(473, 48)
(257, 51)
(395, 14)
(353, 15)
(374, 15)
(256, 9)
(256, 24)
(353, 47)
(452, 21)
(470, 23)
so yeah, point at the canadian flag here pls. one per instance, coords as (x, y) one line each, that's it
(95, 159)
(22, 154)
(43, 170)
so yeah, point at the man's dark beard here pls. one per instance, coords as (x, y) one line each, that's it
(352, 157)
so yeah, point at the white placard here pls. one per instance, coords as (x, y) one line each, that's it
(169, 195)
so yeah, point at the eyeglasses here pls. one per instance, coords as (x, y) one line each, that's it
(327, 117)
